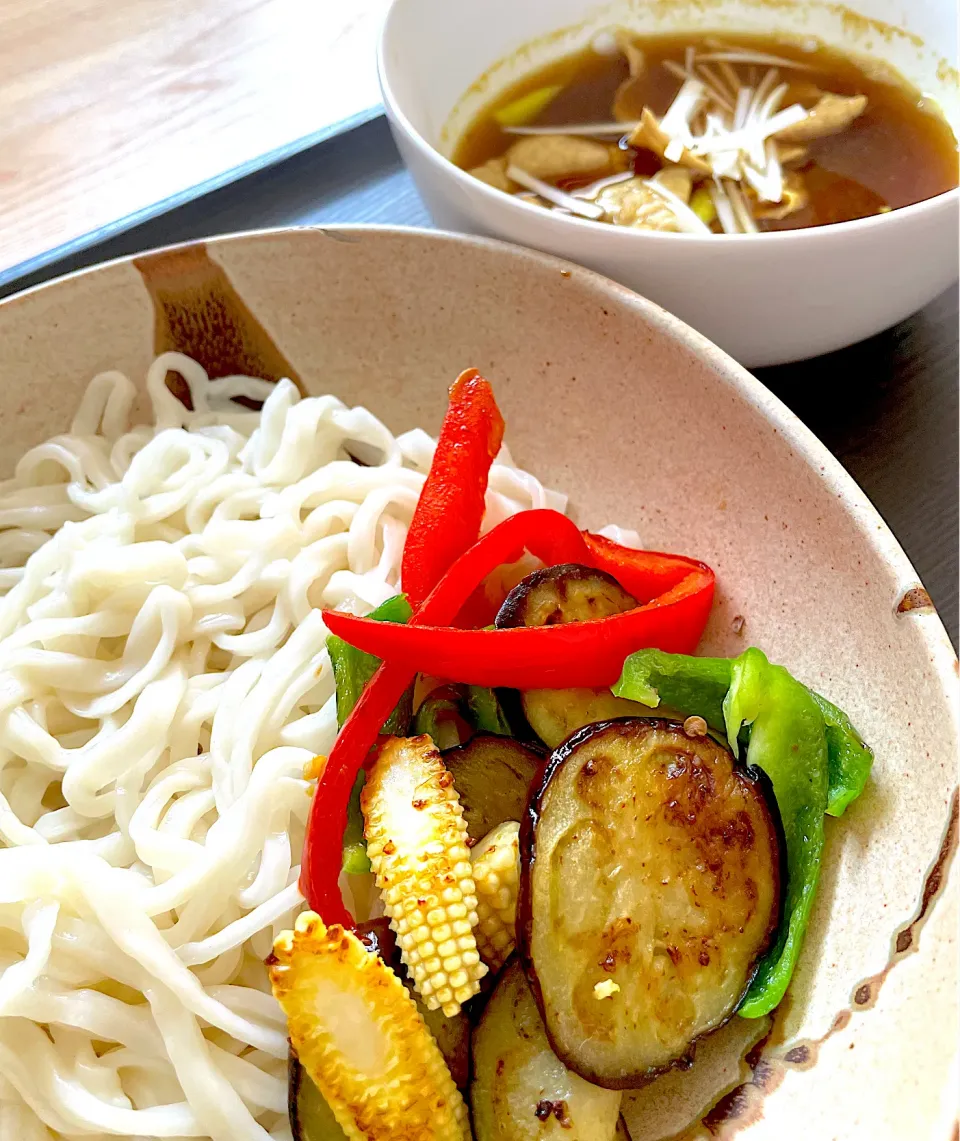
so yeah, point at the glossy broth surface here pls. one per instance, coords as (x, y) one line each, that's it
(900, 150)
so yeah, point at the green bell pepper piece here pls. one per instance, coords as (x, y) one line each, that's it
(441, 717)
(816, 761)
(686, 685)
(453, 713)
(486, 712)
(352, 669)
(849, 759)
(355, 860)
(788, 742)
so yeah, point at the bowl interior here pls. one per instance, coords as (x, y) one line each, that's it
(642, 422)
(432, 50)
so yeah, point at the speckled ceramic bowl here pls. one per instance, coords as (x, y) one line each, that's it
(644, 422)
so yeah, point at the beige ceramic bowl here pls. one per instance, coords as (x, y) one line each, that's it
(644, 422)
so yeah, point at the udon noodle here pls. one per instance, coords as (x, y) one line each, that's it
(163, 688)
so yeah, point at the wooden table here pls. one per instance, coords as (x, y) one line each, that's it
(887, 408)
(115, 110)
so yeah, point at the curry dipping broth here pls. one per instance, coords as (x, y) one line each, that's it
(898, 149)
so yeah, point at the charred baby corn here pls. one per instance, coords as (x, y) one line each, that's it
(358, 1034)
(496, 874)
(416, 842)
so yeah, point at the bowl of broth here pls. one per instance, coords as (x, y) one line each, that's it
(783, 176)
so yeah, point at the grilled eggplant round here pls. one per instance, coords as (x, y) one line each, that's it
(553, 596)
(521, 1091)
(650, 887)
(311, 1119)
(554, 714)
(492, 776)
(565, 593)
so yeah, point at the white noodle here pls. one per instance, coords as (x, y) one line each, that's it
(163, 682)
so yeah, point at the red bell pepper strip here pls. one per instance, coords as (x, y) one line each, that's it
(543, 657)
(549, 536)
(450, 508)
(546, 534)
(644, 574)
(323, 844)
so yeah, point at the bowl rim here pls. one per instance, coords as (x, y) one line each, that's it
(399, 118)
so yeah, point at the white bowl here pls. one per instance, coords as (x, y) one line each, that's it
(765, 299)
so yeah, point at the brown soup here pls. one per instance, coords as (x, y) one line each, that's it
(869, 142)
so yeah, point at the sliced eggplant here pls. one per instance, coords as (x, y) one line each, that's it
(565, 593)
(379, 938)
(311, 1119)
(452, 1036)
(553, 714)
(650, 887)
(492, 776)
(521, 1091)
(555, 595)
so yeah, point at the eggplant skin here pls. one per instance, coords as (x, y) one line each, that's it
(521, 1091)
(452, 1035)
(564, 593)
(556, 595)
(492, 776)
(649, 860)
(555, 714)
(311, 1119)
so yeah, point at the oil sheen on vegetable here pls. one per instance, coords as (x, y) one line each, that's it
(649, 889)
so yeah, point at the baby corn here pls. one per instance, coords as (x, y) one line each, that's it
(416, 842)
(496, 873)
(358, 1034)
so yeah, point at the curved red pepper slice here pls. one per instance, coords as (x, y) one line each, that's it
(546, 657)
(644, 574)
(450, 508)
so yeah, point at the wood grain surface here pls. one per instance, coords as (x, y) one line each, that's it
(887, 408)
(108, 110)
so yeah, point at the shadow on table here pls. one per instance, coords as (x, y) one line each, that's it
(870, 404)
